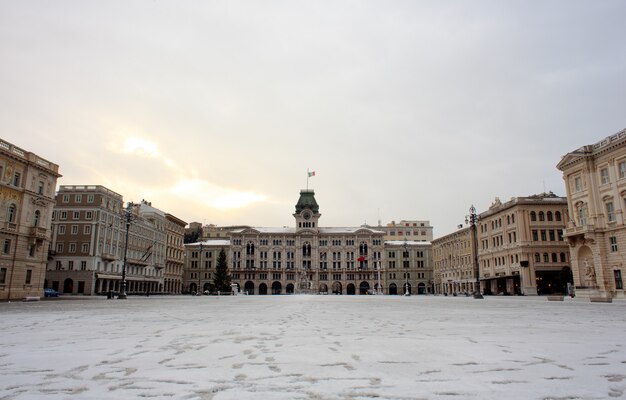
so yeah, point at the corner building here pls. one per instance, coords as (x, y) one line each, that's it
(88, 242)
(595, 181)
(521, 248)
(453, 259)
(27, 185)
(311, 259)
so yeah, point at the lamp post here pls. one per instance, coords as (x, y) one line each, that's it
(128, 218)
(380, 289)
(406, 265)
(472, 219)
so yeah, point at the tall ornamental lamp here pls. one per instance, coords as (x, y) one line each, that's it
(472, 219)
(128, 218)
(380, 289)
(406, 271)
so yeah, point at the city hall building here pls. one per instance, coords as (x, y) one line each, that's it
(307, 258)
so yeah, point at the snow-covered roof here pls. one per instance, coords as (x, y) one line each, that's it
(211, 242)
(349, 230)
(147, 208)
(322, 230)
(408, 242)
(284, 229)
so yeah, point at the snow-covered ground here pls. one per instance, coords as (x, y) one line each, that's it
(313, 347)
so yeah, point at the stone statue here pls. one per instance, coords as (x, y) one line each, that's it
(590, 273)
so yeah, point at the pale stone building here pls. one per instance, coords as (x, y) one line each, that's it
(175, 257)
(408, 263)
(88, 242)
(27, 185)
(453, 263)
(595, 181)
(521, 248)
(308, 258)
(413, 230)
(201, 263)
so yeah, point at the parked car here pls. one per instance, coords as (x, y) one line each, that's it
(50, 293)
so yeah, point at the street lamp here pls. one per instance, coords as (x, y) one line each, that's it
(472, 219)
(406, 265)
(128, 218)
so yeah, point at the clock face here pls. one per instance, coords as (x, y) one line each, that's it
(306, 215)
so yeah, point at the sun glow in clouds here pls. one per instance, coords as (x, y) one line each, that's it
(215, 196)
(138, 146)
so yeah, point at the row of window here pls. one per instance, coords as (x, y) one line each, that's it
(27, 278)
(72, 248)
(62, 215)
(407, 233)
(604, 174)
(78, 198)
(541, 216)
(12, 215)
(581, 213)
(291, 242)
(497, 223)
(70, 265)
(547, 235)
(6, 248)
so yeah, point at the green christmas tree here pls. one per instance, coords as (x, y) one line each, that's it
(222, 279)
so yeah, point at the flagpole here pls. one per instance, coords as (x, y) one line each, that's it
(307, 179)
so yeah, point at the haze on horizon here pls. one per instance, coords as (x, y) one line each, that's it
(214, 111)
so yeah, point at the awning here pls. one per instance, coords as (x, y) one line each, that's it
(128, 278)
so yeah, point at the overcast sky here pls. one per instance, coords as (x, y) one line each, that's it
(214, 110)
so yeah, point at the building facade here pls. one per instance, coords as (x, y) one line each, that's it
(414, 231)
(521, 248)
(201, 263)
(27, 185)
(175, 255)
(595, 181)
(453, 262)
(308, 258)
(89, 228)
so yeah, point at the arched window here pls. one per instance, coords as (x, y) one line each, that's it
(250, 249)
(563, 259)
(546, 258)
(533, 216)
(582, 216)
(554, 257)
(549, 215)
(306, 250)
(541, 216)
(363, 249)
(11, 213)
(537, 257)
(36, 218)
(557, 215)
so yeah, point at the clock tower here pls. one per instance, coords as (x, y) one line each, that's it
(307, 211)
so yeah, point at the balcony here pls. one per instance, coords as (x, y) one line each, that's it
(108, 257)
(573, 230)
(8, 227)
(39, 233)
(137, 261)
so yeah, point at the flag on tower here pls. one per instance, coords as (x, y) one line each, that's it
(312, 173)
